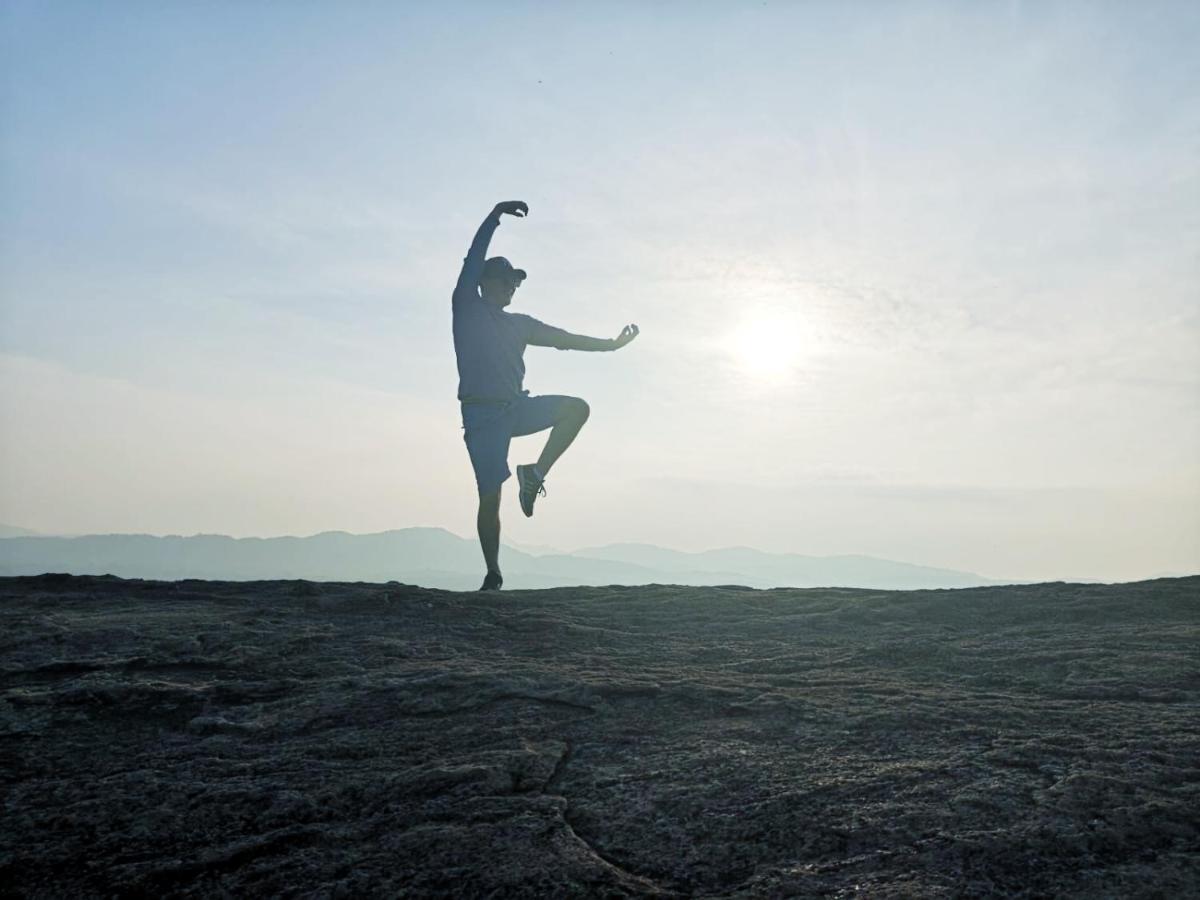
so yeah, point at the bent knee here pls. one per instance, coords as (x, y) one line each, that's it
(579, 409)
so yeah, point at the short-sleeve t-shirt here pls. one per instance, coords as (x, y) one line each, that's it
(490, 346)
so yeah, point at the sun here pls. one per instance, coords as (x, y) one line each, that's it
(767, 346)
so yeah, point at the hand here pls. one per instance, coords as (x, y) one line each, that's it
(516, 208)
(628, 333)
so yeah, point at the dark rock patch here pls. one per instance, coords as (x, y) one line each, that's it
(285, 738)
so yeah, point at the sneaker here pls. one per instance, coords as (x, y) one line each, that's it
(531, 486)
(492, 581)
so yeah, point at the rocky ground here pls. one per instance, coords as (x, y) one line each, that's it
(299, 739)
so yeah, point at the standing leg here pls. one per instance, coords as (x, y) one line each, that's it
(575, 413)
(487, 430)
(488, 524)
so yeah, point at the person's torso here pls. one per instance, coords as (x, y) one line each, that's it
(490, 346)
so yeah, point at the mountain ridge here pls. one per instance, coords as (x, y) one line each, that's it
(436, 557)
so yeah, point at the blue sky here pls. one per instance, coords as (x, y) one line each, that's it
(918, 280)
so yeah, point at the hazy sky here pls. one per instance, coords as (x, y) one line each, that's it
(916, 280)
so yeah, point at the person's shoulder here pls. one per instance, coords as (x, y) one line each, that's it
(464, 295)
(525, 318)
(469, 304)
(520, 321)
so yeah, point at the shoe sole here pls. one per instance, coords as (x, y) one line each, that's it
(528, 510)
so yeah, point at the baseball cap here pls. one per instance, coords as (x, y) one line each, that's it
(498, 267)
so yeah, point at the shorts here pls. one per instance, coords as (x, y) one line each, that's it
(488, 427)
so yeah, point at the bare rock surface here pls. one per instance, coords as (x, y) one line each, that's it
(299, 739)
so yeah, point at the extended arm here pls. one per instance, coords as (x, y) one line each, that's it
(543, 335)
(472, 269)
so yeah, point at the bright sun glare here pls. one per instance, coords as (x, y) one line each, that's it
(768, 346)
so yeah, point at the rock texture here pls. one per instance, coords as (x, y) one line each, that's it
(283, 738)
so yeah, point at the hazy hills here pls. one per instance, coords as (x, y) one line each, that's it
(433, 557)
(14, 531)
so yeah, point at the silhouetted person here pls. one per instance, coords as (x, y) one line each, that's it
(490, 346)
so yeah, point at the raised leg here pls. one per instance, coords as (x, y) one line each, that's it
(575, 413)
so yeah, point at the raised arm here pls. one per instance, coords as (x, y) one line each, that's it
(468, 279)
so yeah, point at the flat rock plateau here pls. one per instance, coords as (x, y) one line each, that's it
(312, 739)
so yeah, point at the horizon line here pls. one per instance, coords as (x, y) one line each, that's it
(562, 552)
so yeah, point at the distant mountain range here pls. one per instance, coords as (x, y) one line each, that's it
(433, 557)
(14, 531)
